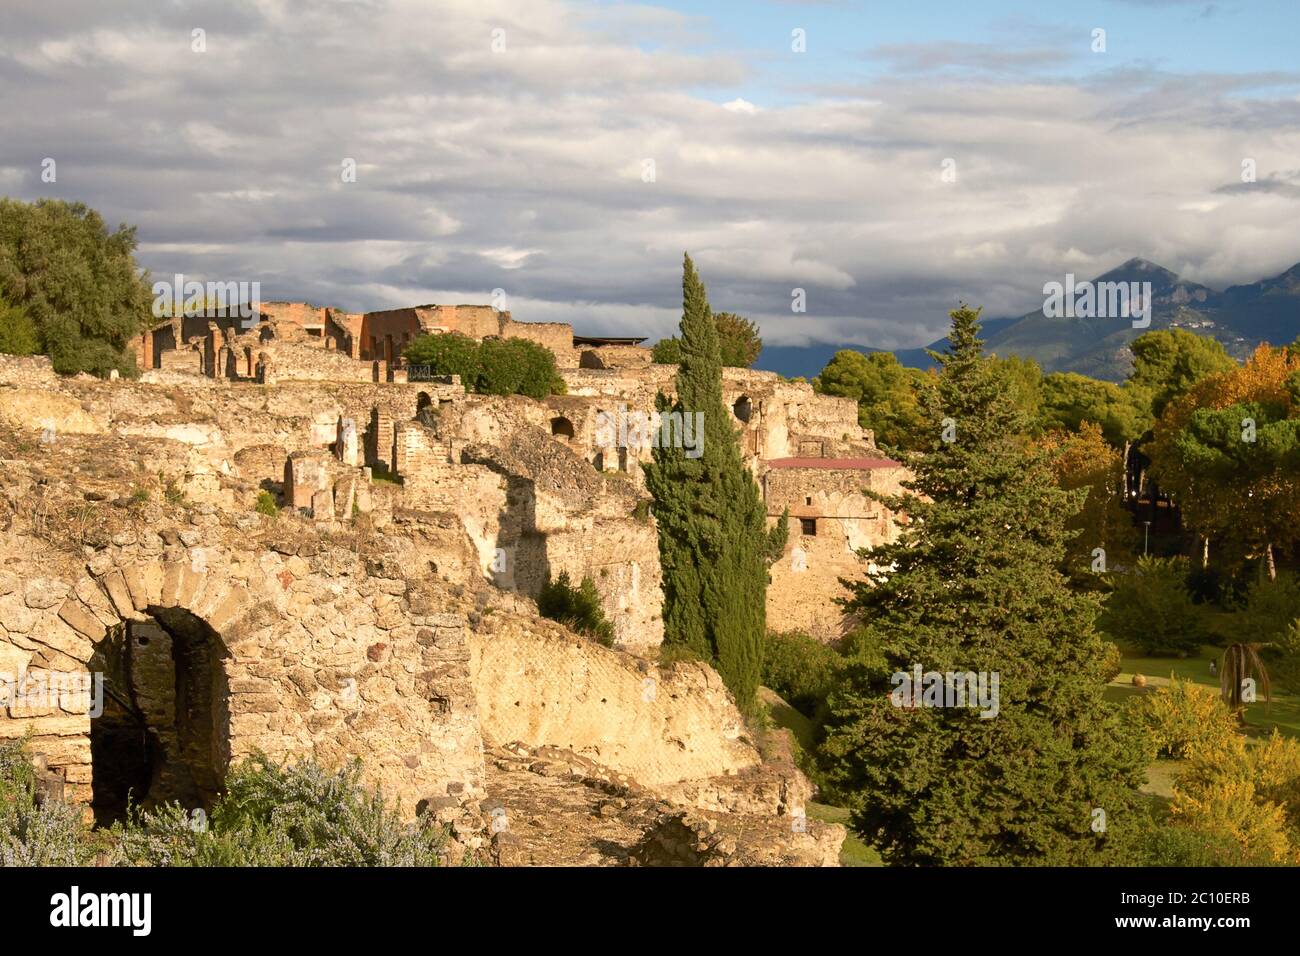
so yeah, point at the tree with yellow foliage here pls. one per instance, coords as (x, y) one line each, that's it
(1249, 795)
(1084, 461)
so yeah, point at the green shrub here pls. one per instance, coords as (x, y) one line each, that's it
(1151, 609)
(17, 331)
(577, 608)
(1271, 608)
(447, 353)
(1183, 720)
(491, 367)
(801, 669)
(48, 835)
(273, 815)
(266, 504)
(173, 493)
(1113, 662)
(1175, 845)
(517, 367)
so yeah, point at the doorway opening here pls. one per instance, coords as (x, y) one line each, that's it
(164, 734)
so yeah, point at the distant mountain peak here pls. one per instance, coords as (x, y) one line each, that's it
(1148, 270)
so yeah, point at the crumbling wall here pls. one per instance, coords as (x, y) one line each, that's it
(327, 654)
(29, 370)
(805, 583)
(540, 685)
(555, 336)
(302, 362)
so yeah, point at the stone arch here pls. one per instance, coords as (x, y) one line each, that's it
(561, 427)
(157, 633)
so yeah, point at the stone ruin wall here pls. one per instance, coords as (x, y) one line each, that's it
(232, 429)
(540, 685)
(805, 583)
(387, 596)
(555, 336)
(321, 654)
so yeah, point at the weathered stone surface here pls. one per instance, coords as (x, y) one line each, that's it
(347, 636)
(44, 593)
(114, 584)
(79, 618)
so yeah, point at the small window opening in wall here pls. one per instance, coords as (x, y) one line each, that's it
(808, 526)
(807, 499)
(743, 408)
(561, 427)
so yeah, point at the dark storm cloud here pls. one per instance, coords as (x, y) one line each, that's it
(522, 169)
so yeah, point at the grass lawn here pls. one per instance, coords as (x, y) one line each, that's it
(1282, 712)
(854, 852)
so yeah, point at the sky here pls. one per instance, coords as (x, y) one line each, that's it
(879, 162)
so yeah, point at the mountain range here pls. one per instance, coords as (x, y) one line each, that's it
(1240, 317)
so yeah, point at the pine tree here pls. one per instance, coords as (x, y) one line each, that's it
(972, 584)
(713, 537)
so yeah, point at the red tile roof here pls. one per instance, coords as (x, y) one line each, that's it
(846, 464)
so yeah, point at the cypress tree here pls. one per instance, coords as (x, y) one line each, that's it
(972, 584)
(713, 537)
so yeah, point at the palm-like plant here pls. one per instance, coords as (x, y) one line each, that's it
(1241, 662)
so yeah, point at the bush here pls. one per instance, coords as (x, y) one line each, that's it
(492, 367)
(1112, 662)
(1184, 720)
(667, 351)
(1275, 767)
(1180, 845)
(1249, 796)
(1228, 808)
(51, 834)
(517, 367)
(1272, 608)
(801, 669)
(17, 331)
(273, 815)
(576, 608)
(266, 504)
(1151, 609)
(448, 353)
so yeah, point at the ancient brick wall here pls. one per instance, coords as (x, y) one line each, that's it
(831, 518)
(555, 336)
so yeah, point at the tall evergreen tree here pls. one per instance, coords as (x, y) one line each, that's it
(713, 537)
(972, 584)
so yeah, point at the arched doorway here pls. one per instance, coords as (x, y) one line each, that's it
(164, 734)
(561, 427)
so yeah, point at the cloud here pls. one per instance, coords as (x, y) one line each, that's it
(522, 168)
